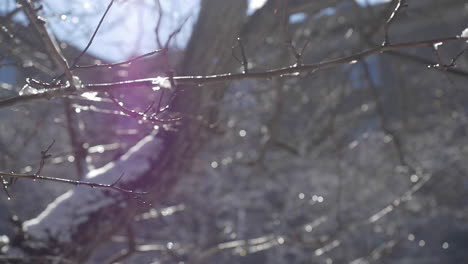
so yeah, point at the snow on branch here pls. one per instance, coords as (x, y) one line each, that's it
(63, 216)
(9, 178)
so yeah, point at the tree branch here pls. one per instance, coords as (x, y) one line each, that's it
(67, 181)
(206, 79)
(50, 44)
(77, 59)
(400, 4)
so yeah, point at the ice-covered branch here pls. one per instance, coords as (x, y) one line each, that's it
(49, 42)
(206, 79)
(63, 218)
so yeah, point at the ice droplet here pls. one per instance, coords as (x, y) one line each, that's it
(161, 82)
(77, 82)
(91, 96)
(464, 34)
(437, 45)
(27, 90)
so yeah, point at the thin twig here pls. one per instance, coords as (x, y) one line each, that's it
(5, 184)
(67, 181)
(175, 32)
(435, 51)
(50, 43)
(399, 5)
(454, 59)
(395, 137)
(279, 72)
(44, 157)
(77, 59)
(129, 61)
(153, 118)
(440, 64)
(285, 30)
(244, 62)
(158, 24)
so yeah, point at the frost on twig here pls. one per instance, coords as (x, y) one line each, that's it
(161, 83)
(28, 90)
(77, 84)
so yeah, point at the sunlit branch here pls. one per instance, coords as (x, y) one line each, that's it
(153, 117)
(119, 63)
(400, 4)
(77, 59)
(281, 72)
(50, 44)
(67, 181)
(200, 80)
(36, 176)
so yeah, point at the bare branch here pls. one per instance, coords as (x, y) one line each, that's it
(77, 59)
(398, 6)
(158, 24)
(50, 44)
(143, 115)
(175, 32)
(395, 137)
(199, 80)
(244, 62)
(36, 176)
(129, 61)
(67, 181)
(44, 157)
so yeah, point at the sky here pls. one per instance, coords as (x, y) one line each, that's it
(128, 29)
(136, 17)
